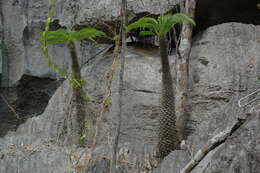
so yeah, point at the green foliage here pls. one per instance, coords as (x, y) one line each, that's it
(160, 26)
(44, 48)
(67, 36)
(64, 36)
(168, 140)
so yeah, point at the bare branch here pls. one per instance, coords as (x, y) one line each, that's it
(213, 143)
(182, 73)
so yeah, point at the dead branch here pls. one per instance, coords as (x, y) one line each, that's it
(182, 72)
(213, 143)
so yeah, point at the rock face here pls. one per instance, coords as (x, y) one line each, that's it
(224, 67)
(40, 134)
(232, 70)
(240, 153)
(21, 22)
(86, 12)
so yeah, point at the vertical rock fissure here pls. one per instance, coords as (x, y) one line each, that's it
(4, 53)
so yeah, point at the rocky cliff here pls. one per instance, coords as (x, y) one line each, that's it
(224, 67)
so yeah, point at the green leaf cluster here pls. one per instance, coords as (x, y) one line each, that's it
(160, 26)
(44, 48)
(66, 36)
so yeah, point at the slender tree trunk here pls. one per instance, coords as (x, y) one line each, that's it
(78, 121)
(168, 140)
(182, 74)
(121, 86)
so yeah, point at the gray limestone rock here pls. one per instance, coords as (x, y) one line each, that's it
(232, 52)
(91, 12)
(41, 138)
(240, 153)
(21, 22)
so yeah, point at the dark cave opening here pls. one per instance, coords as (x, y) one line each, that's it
(209, 13)
(26, 99)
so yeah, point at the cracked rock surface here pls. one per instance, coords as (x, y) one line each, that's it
(22, 20)
(232, 71)
(232, 54)
(225, 66)
(239, 153)
(38, 143)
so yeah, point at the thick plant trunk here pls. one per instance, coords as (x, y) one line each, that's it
(78, 100)
(168, 140)
(182, 74)
(121, 86)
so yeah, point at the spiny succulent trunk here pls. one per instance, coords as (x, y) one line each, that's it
(167, 127)
(78, 121)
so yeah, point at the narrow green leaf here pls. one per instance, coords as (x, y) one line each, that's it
(66, 36)
(146, 33)
(146, 22)
(180, 17)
